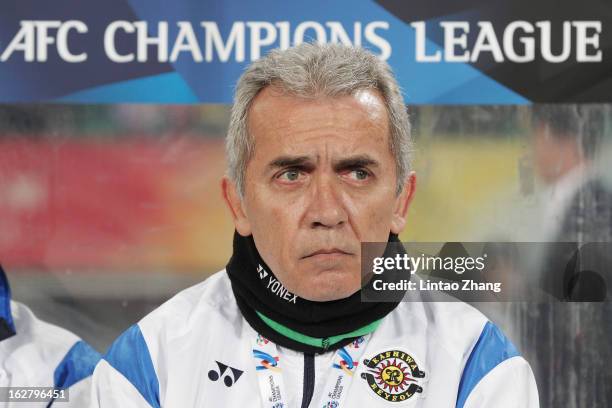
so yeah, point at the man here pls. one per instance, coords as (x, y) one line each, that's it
(318, 149)
(34, 353)
(578, 210)
(566, 142)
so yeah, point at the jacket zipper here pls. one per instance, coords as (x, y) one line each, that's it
(309, 379)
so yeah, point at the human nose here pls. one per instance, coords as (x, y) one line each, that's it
(326, 209)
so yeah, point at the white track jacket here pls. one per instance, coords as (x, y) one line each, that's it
(34, 353)
(196, 350)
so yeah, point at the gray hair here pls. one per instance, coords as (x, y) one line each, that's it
(311, 70)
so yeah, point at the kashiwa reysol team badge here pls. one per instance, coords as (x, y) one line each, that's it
(393, 375)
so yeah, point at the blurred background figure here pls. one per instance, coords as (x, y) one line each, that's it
(34, 353)
(578, 198)
(567, 144)
(577, 210)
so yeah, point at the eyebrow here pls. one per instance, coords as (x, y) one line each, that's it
(362, 160)
(289, 161)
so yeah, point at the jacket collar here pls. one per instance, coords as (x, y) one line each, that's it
(7, 326)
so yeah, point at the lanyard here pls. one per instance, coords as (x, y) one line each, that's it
(270, 378)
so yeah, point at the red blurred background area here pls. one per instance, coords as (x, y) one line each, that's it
(91, 203)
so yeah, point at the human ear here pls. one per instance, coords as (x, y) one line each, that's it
(235, 203)
(402, 202)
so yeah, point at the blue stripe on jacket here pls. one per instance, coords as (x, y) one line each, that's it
(130, 356)
(491, 349)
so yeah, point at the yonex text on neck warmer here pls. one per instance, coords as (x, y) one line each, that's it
(289, 320)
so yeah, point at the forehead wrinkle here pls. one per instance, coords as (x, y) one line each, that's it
(332, 116)
(326, 151)
(300, 129)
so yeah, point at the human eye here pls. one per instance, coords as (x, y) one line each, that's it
(289, 175)
(358, 174)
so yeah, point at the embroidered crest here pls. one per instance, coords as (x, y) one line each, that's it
(393, 375)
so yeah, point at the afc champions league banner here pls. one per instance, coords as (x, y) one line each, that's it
(192, 51)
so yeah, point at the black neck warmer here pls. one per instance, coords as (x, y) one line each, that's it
(262, 301)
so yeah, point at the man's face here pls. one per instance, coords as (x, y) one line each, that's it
(554, 155)
(322, 180)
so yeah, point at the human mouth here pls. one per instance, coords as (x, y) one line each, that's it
(327, 253)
